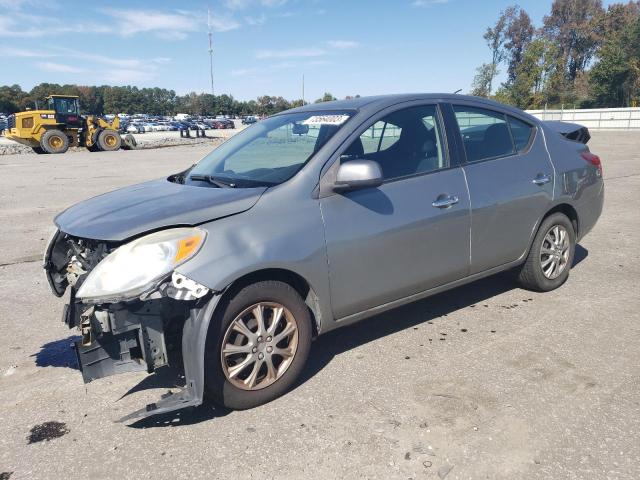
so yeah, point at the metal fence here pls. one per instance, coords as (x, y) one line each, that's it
(595, 118)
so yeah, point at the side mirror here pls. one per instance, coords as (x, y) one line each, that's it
(300, 129)
(358, 174)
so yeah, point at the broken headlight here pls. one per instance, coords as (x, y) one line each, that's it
(136, 267)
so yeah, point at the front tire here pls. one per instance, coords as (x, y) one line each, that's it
(257, 345)
(109, 140)
(551, 255)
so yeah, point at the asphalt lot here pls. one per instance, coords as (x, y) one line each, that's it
(485, 381)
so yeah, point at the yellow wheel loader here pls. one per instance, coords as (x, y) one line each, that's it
(60, 126)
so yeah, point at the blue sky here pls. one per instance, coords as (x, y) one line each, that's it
(346, 47)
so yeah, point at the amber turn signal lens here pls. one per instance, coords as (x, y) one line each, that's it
(186, 247)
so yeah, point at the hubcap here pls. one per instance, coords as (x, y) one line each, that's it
(110, 140)
(55, 142)
(554, 254)
(259, 346)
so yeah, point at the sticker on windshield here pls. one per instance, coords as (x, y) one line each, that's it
(326, 120)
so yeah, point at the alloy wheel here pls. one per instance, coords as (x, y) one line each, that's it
(259, 346)
(554, 254)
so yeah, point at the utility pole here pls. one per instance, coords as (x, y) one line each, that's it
(210, 48)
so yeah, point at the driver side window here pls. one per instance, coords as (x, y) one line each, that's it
(405, 143)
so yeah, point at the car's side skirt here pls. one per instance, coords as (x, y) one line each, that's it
(424, 294)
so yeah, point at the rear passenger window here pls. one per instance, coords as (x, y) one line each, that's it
(485, 133)
(521, 132)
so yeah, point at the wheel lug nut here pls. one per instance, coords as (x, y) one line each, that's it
(260, 339)
(261, 355)
(254, 349)
(269, 339)
(269, 349)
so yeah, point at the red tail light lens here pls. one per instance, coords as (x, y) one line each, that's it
(593, 160)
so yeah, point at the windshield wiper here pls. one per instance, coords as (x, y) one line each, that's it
(218, 182)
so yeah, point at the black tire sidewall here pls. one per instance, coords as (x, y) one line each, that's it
(544, 283)
(44, 141)
(218, 388)
(103, 146)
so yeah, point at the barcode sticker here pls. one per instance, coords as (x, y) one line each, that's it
(326, 120)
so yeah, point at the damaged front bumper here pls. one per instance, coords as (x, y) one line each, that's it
(166, 326)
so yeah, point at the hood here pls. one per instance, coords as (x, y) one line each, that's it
(130, 211)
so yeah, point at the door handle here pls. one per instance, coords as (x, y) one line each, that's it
(542, 179)
(445, 201)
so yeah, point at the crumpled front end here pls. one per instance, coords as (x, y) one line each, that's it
(136, 334)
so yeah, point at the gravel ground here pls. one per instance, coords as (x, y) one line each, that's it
(143, 140)
(485, 381)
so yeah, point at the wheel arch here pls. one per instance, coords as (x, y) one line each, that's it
(569, 211)
(291, 278)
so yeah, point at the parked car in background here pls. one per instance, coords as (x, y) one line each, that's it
(313, 219)
(249, 120)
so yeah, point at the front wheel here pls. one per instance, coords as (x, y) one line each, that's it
(109, 140)
(257, 345)
(551, 255)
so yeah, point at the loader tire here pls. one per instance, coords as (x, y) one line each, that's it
(109, 140)
(38, 150)
(54, 141)
(129, 142)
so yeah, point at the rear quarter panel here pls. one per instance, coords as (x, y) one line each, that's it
(577, 182)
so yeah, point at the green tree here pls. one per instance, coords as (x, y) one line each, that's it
(615, 78)
(327, 97)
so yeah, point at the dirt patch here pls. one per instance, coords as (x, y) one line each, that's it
(47, 431)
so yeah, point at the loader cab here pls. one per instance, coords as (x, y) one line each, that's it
(66, 108)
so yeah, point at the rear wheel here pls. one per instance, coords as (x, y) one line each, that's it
(54, 141)
(259, 346)
(551, 255)
(109, 140)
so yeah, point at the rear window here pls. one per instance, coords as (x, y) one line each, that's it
(522, 133)
(485, 133)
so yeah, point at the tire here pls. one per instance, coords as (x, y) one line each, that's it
(237, 394)
(38, 150)
(54, 141)
(109, 140)
(93, 148)
(534, 274)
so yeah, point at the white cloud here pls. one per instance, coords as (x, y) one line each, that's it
(342, 44)
(254, 21)
(58, 67)
(290, 53)
(427, 3)
(177, 24)
(242, 4)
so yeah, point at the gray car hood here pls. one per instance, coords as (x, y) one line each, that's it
(130, 211)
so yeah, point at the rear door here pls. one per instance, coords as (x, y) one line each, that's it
(411, 233)
(510, 179)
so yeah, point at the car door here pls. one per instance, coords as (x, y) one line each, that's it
(411, 233)
(510, 179)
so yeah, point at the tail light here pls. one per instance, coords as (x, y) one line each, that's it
(593, 160)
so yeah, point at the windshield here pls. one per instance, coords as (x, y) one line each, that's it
(268, 152)
(63, 105)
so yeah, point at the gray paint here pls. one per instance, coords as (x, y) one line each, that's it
(130, 211)
(364, 250)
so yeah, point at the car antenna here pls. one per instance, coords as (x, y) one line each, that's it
(457, 91)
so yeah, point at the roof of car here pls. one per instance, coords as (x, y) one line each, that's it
(379, 102)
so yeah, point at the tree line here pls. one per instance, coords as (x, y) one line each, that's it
(581, 56)
(105, 99)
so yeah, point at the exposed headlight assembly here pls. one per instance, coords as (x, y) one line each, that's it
(138, 266)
